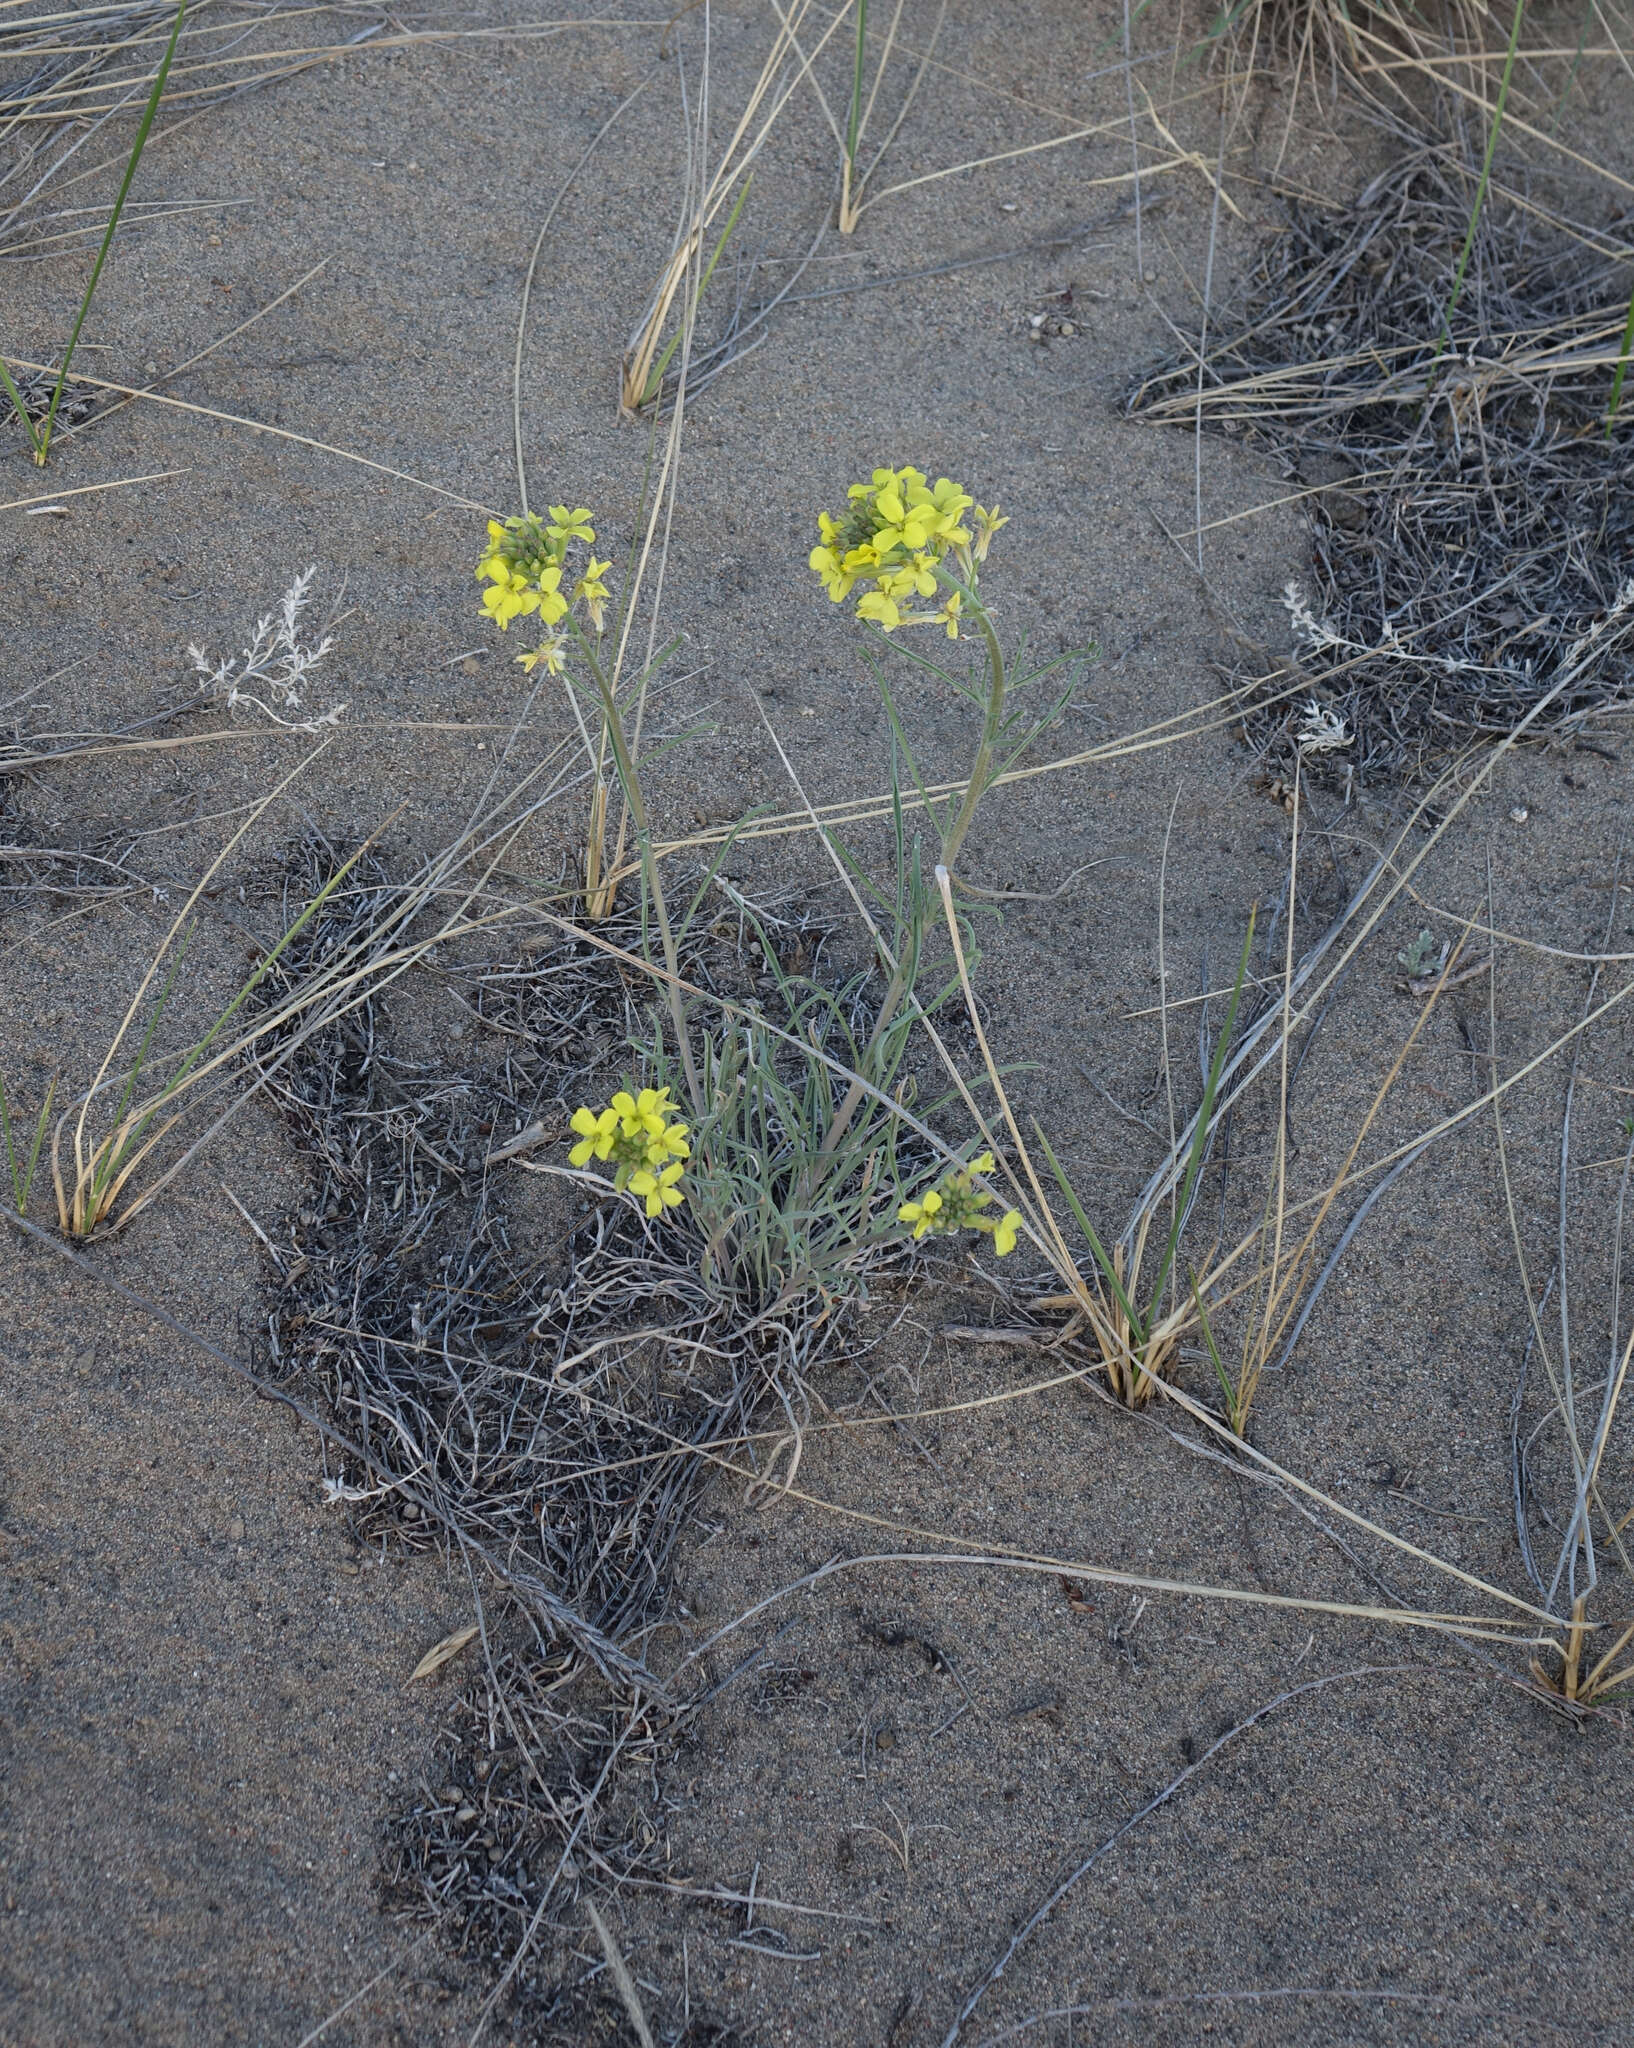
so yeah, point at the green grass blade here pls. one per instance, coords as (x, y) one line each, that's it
(11, 1154)
(1457, 291)
(856, 88)
(43, 439)
(1622, 366)
(1194, 1162)
(1220, 1373)
(655, 376)
(1108, 1270)
(22, 410)
(40, 1126)
(114, 1155)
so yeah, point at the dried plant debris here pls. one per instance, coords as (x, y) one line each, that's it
(1472, 520)
(34, 388)
(545, 1369)
(564, 1008)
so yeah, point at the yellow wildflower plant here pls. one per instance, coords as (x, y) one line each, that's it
(956, 1203)
(646, 1149)
(895, 531)
(524, 563)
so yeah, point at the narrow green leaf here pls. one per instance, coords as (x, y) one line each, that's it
(1204, 1117)
(1109, 1271)
(42, 442)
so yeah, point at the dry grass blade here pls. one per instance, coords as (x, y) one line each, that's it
(715, 191)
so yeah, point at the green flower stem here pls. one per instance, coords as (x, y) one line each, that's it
(848, 171)
(980, 774)
(638, 811)
(992, 722)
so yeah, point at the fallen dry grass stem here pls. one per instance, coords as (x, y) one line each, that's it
(118, 483)
(230, 419)
(1053, 1898)
(1449, 78)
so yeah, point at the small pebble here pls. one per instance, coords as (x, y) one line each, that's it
(1518, 815)
(1150, 276)
(885, 1739)
(235, 1529)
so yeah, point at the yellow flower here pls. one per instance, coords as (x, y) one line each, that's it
(575, 525)
(552, 652)
(987, 524)
(875, 605)
(893, 535)
(836, 580)
(509, 600)
(922, 1214)
(647, 1150)
(597, 1130)
(916, 578)
(906, 525)
(956, 1204)
(523, 564)
(949, 615)
(594, 592)
(659, 1190)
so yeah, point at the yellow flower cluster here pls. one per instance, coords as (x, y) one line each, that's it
(648, 1151)
(956, 1203)
(525, 565)
(891, 537)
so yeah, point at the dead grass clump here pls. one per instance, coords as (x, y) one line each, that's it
(34, 388)
(1471, 508)
(515, 1350)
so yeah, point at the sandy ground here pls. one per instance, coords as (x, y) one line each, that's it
(205, 1718)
